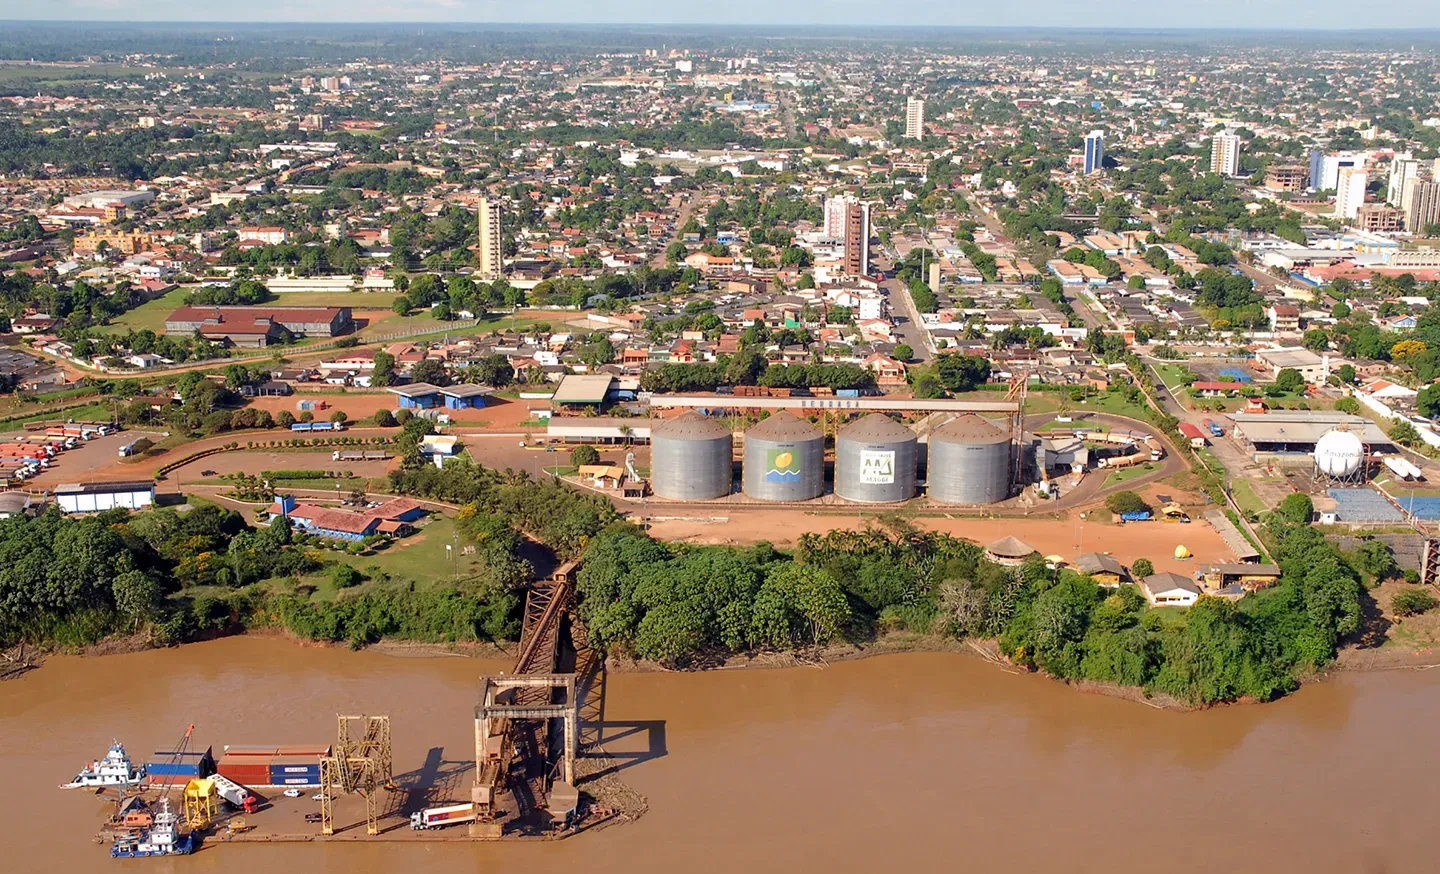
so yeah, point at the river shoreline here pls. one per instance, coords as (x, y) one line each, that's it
(1352, 659)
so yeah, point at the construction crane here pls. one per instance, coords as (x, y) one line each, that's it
(175, 759)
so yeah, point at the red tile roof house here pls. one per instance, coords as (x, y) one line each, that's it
(392, 517)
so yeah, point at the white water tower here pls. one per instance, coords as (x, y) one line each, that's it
(1340, 455)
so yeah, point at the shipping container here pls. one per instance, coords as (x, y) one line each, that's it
(252, 750)
(312, 750)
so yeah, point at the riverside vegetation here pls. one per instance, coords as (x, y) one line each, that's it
(176, 576)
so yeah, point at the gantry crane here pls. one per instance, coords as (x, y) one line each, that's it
(360, 764)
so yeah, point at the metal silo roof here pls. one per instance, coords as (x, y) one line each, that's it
(784, 426)
(688, 426)
(969, 428)
(876, 428)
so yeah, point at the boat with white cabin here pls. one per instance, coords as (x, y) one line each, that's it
(113, 770)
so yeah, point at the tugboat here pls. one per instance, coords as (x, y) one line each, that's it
(113, 770)
(161, 839)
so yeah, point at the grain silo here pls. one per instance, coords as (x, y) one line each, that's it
(875, 461)
(969, 462)
(784, 460)
(691, 458)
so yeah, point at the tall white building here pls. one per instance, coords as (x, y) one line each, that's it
(1402, 169)
(1094, 152)
(1225, 154)
(1350, 192)
(835, 217)
(491, 248)
(914, 118)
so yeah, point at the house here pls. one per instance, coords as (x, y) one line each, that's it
(604, 476)
(1249, 577)
(1284, 318)
(1207, 389)
(1166, 589)
(1193, 434)
(395, 517)
(1103, 569)
(247, 322)
(887, 370)
(34, 325)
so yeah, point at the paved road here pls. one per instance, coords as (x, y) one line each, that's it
(908, 327)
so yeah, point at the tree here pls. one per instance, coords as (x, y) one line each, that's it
(339, 417)
(1297, 509)
(1412, 601)
(284, 419)
(430, 371)
(1427, 402)
(384, 419)
(1407, 349)
(1141, 568)
(1374, 558)
(960, 373)
(584, 454)
(903, 352)
(402, 306)
(383, 373)
(1348, 404)
(344, 576)
(1126, 502)
(1289, 380)
(1404, 433)
(137, 596)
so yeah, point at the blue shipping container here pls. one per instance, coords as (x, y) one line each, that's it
(278, 770)
(297, 781)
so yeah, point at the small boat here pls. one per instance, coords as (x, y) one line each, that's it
(291, 793)
(161, 839)
(113, 770)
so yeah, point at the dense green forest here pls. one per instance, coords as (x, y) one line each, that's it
(684, 605)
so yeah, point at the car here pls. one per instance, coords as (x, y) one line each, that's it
(549, 448)
(313, 817)
(291, 793)
(207, 473)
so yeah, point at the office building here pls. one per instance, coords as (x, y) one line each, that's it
(1349, 192)
(914, 118)
(1094, 152)
(1225, 154)
(1402, 169)
(1325, 175)
(857, 238)
(492, 253)
(1317, 168)
(1423, 207)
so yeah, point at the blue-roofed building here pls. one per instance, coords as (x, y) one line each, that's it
(465, 397)
(418, 396)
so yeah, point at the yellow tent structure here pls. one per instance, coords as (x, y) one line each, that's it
(201, 800)
(1181, 552)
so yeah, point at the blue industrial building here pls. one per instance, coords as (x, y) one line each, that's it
(424, 396)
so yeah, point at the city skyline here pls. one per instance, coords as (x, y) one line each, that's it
(1317, 15)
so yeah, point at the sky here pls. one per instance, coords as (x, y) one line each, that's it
(1296, 14)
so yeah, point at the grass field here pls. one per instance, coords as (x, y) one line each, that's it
(1247, 499)
(1124, 475)
(89, 413)
(1115, 404)
(1170, 374)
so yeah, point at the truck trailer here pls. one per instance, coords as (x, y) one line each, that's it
(439, 817)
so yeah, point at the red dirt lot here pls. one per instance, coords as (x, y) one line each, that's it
(1066, 538)
(501, 415)
(255, 461)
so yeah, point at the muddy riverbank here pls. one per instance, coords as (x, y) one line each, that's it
(907, 761)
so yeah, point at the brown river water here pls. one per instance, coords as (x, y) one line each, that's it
(898, 763)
